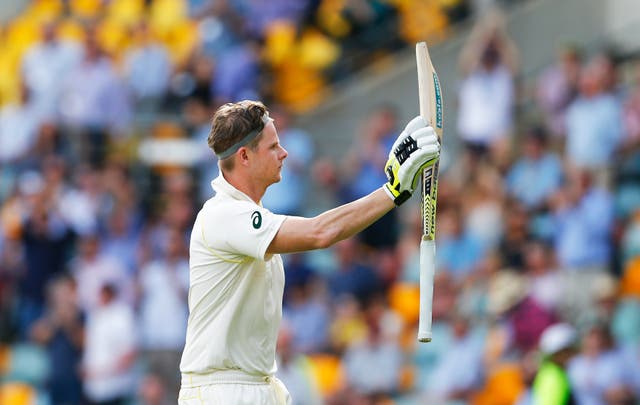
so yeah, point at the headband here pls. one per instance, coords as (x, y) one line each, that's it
(242, 142)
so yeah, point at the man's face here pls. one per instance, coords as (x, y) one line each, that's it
(270, 156)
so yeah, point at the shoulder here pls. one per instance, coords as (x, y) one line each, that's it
(223, 209)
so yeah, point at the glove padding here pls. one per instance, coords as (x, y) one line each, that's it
(416, 148)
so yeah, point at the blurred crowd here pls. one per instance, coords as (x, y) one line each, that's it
(212, 50)
(538, 215)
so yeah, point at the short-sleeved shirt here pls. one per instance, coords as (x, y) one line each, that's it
(235, 288)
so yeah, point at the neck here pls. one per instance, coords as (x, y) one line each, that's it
(246, 184)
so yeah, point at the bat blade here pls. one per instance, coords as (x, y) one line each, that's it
(430, 97)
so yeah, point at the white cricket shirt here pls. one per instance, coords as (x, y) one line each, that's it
(235, 292)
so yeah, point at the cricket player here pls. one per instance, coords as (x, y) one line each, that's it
(236, 273)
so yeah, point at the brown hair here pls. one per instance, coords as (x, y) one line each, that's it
(231, 123)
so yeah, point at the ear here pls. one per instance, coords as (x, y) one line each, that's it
(243, 156)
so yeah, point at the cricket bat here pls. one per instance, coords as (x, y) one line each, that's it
(430, 97)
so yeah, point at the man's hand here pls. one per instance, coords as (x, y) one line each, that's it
(417, 147)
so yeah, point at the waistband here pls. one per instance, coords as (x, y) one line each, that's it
(190, 380)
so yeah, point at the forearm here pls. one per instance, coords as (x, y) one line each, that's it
(298, 234)
(349, 219)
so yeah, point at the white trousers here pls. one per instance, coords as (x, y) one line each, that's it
(231, 387)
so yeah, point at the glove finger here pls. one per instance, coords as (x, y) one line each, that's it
(425, 136)
(426, 152)
(415, 124)
(419, 157)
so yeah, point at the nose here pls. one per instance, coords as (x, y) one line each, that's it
(283, 153)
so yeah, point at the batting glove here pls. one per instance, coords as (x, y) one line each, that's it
(416, 148)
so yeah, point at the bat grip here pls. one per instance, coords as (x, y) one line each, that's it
(427, 270)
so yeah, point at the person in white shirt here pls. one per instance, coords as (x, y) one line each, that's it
(110, 350)
(236, 273)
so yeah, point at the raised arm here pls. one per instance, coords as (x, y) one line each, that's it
(416, 147)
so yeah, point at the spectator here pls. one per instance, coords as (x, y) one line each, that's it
(516, 234)
(94, 101)
(594, 130)
(374, 353)
(483, 207)
(294, 371)
(60, 331)
(152, 391)
(308, 316)
(537, 174)
(597, 374)
(362, 165)
(236, 74)
(523, 318)
(110, 350)
(353, 277)
(92, 270)
(147, 67)
(458, 371)
(198, 116)
(47, 240)
(631, 115)
(583, 216)
(164, 284)
(45, 64)
(121, 238)
(299, 273)
(82, 203)
(459, 251)
(19, 125)
(348, 326)
(557, 87)
(488, 63)
(551, 383)
(546, 283)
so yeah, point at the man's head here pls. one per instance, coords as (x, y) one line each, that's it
(231, 124)
(557, 342)
(243, 134)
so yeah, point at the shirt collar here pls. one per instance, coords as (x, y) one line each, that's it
(221, 186)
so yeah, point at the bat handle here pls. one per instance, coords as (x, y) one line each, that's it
(427, 271)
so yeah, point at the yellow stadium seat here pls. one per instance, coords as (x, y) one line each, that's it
(167, 14)
(329, 17)
(10, 57)
(421, 20)
(328, 373)
(71, 30)
(344, 332)
(182, 40)
(404, 299)
(125, 12)
(4, 359)
(316, 50)
(503, 386)
(44, 10)
(630, 282)
(21, 34)
(298, 87)
(280, 37)
(113, 37)
(16, 393)
(85, 8)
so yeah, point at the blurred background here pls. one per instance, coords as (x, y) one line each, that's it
(104, 114)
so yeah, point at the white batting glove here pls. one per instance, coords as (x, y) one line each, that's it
(416, 148)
